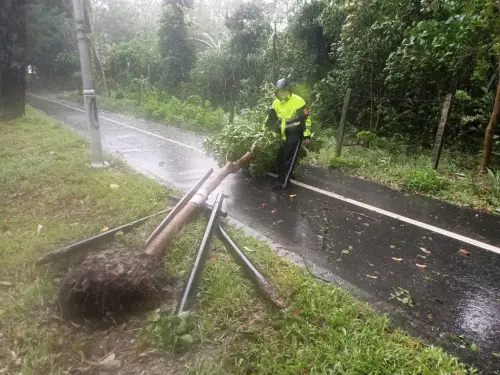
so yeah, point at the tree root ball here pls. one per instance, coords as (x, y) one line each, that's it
(112, 283)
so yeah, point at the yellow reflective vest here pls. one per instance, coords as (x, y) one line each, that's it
(292, 114)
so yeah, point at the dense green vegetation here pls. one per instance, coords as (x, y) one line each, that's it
(209, 64)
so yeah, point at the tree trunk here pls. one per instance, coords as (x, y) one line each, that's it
(490, 130)
(13, 58)
(158, 246)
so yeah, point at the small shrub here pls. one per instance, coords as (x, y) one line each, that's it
(342, 163)
(495, 182)
(423, 181)
(120, 95)
(367, 138)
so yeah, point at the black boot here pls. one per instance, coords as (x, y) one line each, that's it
(277, 184)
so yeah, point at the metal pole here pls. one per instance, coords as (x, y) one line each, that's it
(252, 273)
(287, 177)
(89, 98)
(191, 287)
(67, 251)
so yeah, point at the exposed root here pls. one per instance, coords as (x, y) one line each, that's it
(112, 283)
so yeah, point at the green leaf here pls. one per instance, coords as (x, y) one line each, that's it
(154, 316)
(174, 320)
(185, 340)
(496, 355)
(346, 252)
(343, 330)
(184, 315)
(474, 348)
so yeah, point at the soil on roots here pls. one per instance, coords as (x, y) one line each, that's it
(112, 284)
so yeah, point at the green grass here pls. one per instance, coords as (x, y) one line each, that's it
(324, 330)
(193, 113)
(457, 180)
(45, 179)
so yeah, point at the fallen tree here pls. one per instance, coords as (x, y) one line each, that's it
(114, 282)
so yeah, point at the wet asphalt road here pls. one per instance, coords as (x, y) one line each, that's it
(456, 293)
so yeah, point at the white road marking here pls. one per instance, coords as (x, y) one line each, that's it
(381, 211)
(393, 215)
(125, 125)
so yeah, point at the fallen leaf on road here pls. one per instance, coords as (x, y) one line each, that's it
(464, 252)
(421, 265)
(263, 204)
(370, 264)
(425, 251)
(5, 283)
(104, 229)
(496, 355)
(392, 247)
(114, 186)
(474, 348)
(292, 195)
(39, 229)
(346, 252)
(421, 256)
(397, 259)
(274, 211)
(372, 277)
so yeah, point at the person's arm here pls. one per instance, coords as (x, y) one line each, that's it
(302, 115)
(307, 131)
(271, 119)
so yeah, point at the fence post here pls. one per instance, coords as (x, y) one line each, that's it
(340, 132)
(438, 144)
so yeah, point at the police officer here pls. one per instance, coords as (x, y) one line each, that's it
(289, 116)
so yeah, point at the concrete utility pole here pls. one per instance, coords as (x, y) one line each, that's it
(88, 90)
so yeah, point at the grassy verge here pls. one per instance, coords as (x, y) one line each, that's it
(193, 113)
(457, 180)
(49, 196)
(45, 181)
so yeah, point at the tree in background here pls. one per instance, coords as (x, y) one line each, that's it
(249, 29)
(306, 57)
(176, 50)
(50, 32)
(129, 60)
(13, 58)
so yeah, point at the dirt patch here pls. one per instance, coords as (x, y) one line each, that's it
(121, 351)
(112, 283)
